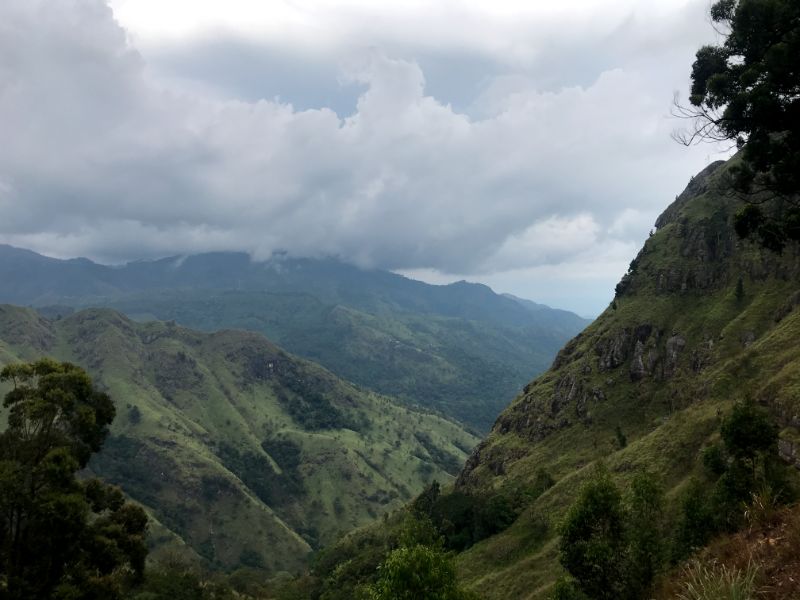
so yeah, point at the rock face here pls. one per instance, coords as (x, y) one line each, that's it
(676, 316)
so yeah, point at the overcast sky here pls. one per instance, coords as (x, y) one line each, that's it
(521, 143)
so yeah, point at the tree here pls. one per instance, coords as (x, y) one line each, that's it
(61, 537)
(414, 572)
(419, 568)
(696, 523)
(610, 548)
(747, 90)
(647, 549)
(748, 433)
(751, 445)
(592, 546)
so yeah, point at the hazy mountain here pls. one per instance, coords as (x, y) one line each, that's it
(460, 348)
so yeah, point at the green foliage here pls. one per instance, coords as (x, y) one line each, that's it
(714, 460)
(646, 532)
(404, 556)
(750, 439)
(747, 463)
(255, 470)
(415, 572)
(173, 582)
(61, 537)
(216, 457)
(613, 548)
(309, 407)
(622, 441)
(464, 368)
(713, 582)
(467, 518)
(696, 523)
(418, 531)
(745, 90)
(592, 546)
(448, 462)
(566, 589)
(748, 433)
(682, 292)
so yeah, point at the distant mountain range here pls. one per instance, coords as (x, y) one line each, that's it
(460, 349)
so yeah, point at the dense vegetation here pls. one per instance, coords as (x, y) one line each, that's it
(628, 470)
(615, 549)
(747, 90)
(243, 455)
(61, 537)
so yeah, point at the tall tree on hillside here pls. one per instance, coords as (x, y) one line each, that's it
(592, 546)
(61, 537)
(747, 90)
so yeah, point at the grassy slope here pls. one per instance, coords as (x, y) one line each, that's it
(701, 348)
(463, 368)
(208, 438)
(770, 545)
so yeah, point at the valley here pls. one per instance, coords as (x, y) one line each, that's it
(243, 454)
(460, 349)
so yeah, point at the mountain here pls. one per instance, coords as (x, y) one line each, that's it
(242, 453)
(459, 349)
(553, 315)
(701, 320)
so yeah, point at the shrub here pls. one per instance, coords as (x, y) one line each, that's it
(718, 582)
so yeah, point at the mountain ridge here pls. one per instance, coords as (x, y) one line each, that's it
(460, 349)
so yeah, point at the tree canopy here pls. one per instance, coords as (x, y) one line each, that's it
(747, 90)
(61, 537)
(612, 546)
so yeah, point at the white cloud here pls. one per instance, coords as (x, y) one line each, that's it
(107, 160)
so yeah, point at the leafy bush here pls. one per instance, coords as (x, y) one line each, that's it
(746, 463)
(467, 518)
(416, 572)
(566, 589)
(592, 546)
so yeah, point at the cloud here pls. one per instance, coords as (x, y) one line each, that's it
(108, 159)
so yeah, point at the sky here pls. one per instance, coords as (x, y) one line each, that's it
(524, 144)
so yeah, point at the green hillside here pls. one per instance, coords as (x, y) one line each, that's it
(701, 320)
(243, 454)
(663, 363)
(462, 368)
(458, 349)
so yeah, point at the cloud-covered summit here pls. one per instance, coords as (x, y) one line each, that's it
(107, 157)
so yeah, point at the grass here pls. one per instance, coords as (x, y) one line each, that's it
(762, 560)
(733, 349)
(206, 403)
(718, 582)
(463, 368)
